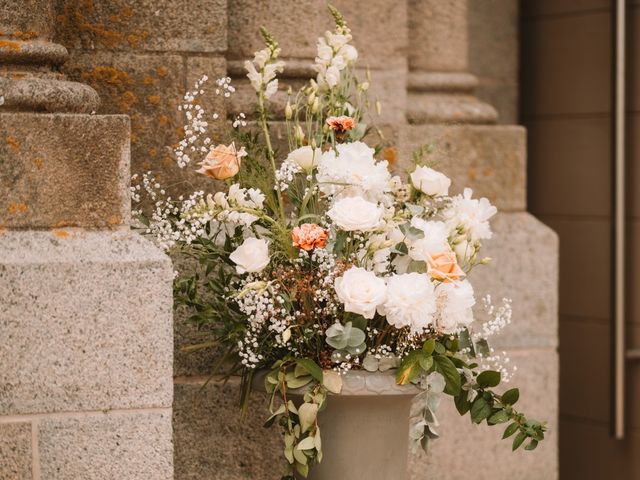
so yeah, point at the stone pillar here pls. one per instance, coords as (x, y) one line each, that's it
(440, 87)
(86, 361)
(492, 160)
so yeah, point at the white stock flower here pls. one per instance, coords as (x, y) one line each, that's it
(305, 157)
(251, 256)
(433, 242)
(430, 181)
(356, 214)
(471, 215)
(411, 301)
(455, 302)
(353, 171)
(360, 291)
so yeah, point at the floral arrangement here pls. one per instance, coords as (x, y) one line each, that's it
(318, 261)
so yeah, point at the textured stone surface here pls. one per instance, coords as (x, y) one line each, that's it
(162, 25)
(95, 310)
(439, 35)
(75, 175)
(524, 267)
(123, 446)
(491, 160)
(213, 441)
(15, 451)
(477, 451)
(149, 89)
(297, 28)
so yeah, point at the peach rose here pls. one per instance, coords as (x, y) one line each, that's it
(222, 162)
(341, 124)
(444, 267)
(309, 236)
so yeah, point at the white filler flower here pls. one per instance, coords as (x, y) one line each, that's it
(251, 256)
(430, 181)
(411, 301)
(455, 302)
(360, 291)
(356, 214)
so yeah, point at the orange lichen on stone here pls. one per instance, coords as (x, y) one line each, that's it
(163, 120)
(153, 152)
(16, 208)
(61, 233)
(38, 162)
(147, 165)
(148, 80)
(24, 35)
(8, 44)
(13, 143)
(390, 154)
(133, 138)
(134, 39)
(168, 162)
(488, 172)
(472, 173)
(107, 74)
(154, 99)
(162, 71)
(127, 99)
(113, 220)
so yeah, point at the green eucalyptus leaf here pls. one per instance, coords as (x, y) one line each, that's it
(498, 417)
(306, 443)
(312, 367)
(429, 346)
(517, 441)
(488, 378)
(510, 430)
(445, 366)
(510, 397)
(307, 412)
(480, 410)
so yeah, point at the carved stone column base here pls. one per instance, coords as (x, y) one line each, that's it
(446, 97)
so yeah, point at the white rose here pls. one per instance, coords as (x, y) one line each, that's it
(433, 242)
(251, 256)
(455, 300)
(360, 291)
(355, 214)
(411, 301)
(430, 181)
(305, 157)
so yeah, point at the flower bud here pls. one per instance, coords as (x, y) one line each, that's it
(316, 106)
(299, 134)
(288, 111)
(312, 97)
(314, 144)
(364, 86)
(485, 261)
(378, 107)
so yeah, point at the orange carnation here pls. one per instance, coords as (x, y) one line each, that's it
(309, 236)
(444, 267)
(341, 124)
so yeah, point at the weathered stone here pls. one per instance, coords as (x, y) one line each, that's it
(504, 98)
(297, 29)
(160, 25)
(75, 175)
(26, 17)
(15, 451)
(126, 446)
(494, 40)
(95, 309)
(212, 439)
(491, 160)
(524, 267)
(466, 450)
(149, 89)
